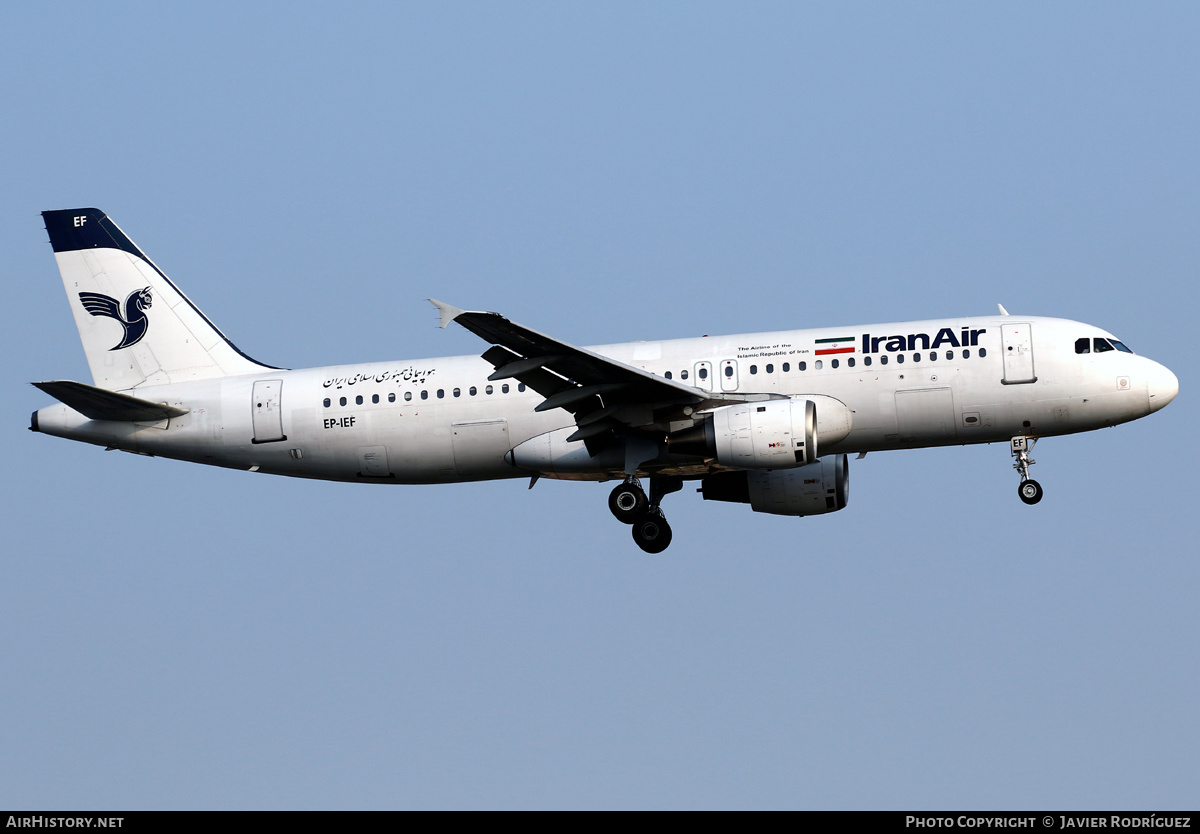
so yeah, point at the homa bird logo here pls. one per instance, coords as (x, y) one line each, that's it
(134, 319)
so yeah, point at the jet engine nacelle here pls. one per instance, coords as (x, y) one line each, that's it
(776, 434)
(820, 487)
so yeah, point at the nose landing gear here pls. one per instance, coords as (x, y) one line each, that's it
(1030, 490)
(628, 502)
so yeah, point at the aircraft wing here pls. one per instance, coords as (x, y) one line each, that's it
(602, 393)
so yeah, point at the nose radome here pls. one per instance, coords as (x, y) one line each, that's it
(1162, 386)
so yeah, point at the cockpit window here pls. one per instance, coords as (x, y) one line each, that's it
(1098, 345)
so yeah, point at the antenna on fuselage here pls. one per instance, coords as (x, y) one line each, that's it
(1003, 312)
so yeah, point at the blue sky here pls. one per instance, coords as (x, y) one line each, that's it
(180, 637)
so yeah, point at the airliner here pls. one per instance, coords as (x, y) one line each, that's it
(765, 419)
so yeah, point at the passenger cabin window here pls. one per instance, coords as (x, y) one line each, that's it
(504, 388)
(408, 396)
(833, 363)
(458, 392)
(374, 398)
(754, 369)
(802, 366)
(668, 374)
(521, 386)
(326, 403)
(473, 391)
(787, 366)
(770, 369)
(488, 390)
(982, 352)
(358, 400)
(850, 362)
(683, 374)
(424, 395)
(342, 401)
(391, 397)
(866, 360)
(441, 393)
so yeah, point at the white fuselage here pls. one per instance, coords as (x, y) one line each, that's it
(912, 384)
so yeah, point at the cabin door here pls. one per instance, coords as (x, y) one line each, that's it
(1017, 344)
(266, 408)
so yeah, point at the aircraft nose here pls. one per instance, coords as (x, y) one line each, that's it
(1162, 386)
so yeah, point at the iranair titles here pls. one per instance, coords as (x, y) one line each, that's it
(945, 337)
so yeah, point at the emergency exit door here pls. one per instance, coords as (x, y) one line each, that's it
(729, 375)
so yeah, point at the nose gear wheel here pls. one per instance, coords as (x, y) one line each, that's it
(1030, 491)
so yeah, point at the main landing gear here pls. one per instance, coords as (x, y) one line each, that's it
(1029, 490)
(630, 505)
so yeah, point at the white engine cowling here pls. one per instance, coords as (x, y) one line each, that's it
(777, 434)
(820, 487)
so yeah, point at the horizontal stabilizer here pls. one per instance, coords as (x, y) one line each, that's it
(100, 404)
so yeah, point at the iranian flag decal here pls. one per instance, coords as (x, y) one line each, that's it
(840, 344)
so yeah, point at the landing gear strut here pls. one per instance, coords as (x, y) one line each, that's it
(1029, 490)
(630, 505)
